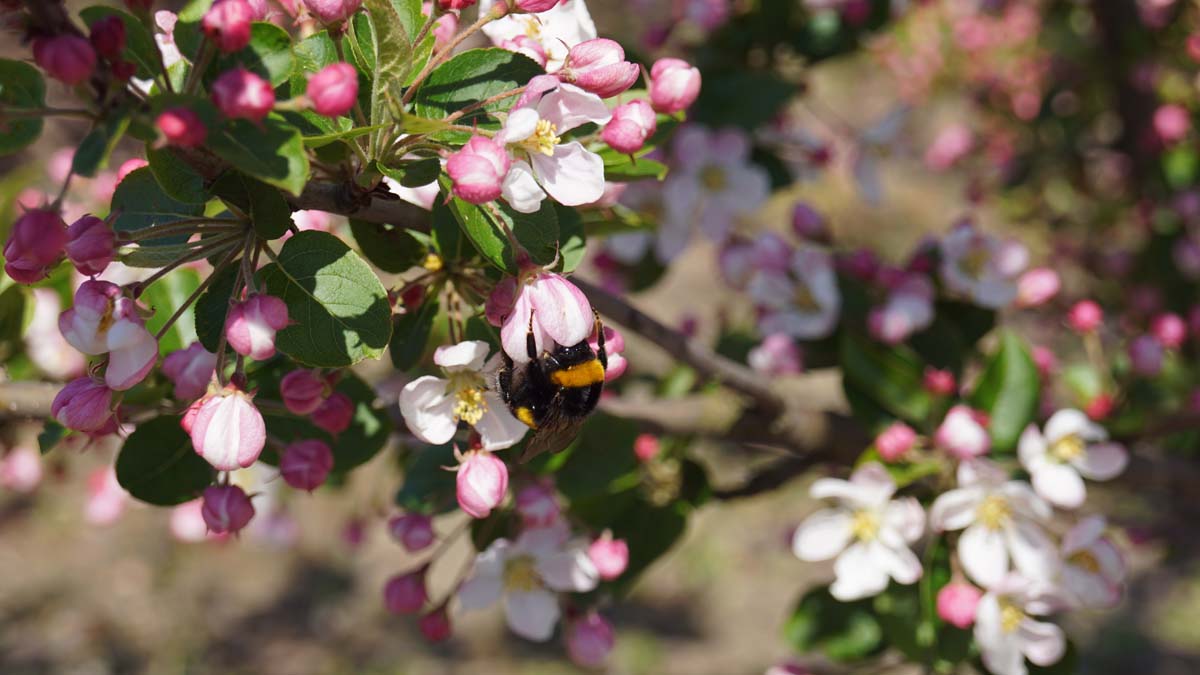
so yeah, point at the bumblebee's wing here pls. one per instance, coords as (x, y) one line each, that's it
(555, 434)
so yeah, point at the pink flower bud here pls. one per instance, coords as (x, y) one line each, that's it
(435, 626)
(303, 391)
(181, 127)
(1037, 287)
(129, 166)
(252, 323)
(34, 245)
(306, 464)
(1172, 123)
(227, 24)
(599, 66)
(106, 499)
(444, 29)
(108, 37)
(335, 414)
(226, 509)
(239, 93)
(1099, 407)
(67, 58)
(1045, 360)
(405, 593)
(778, 354)
(332, 11)
(963, 434)
(21, 470)
(1170, 330)
(610, 556)
(951, 144)
(83, 405)
(414, 531)
(939, 382)
(534, 6)
(191, 370)
(478, 170)
(646, 447)
(1146, 355)
(481, 483)
(956, 604)
(1085, 316)
(631, 124)
(674, 85)
(227, 430)
(90, 245)
(449, 5)
(895, 441)
(538, 505)
(333, 90)
(808, 224)
(589, 640)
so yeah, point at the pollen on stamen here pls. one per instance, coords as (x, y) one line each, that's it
(1067, 448)
(994, 512)
(1011, 616)
(470, 405)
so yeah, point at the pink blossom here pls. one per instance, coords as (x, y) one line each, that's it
(332, 11)
(482, 483)
(187, 522)
(435, 625)
(1170, 329)
(631, 125)
(956, 603)
(610, 556)
(106, 499)
(614, 346)
(405, 593)
(552, 32)
(226, 429)
(740, 261)
(776, 355)
(808, 224)
(963, 433)
(535, 6)
(939, 382)
(303, 391)
(599, 66)
(444, 30)
(108, 37)
(951, 145)
(538, 505)
(181, 127)
(981, 267)
(21, 470)
(804, 302)
(1146, 355)
(1172, 123)
(129, 166)
(306, 464)
(646, 447)
(103, 320)
(335, 414)
(1037, 287)
(83, 404)
(413, 530)
(589, 640)
(1085, 316)
(226, 509)
(528, 46)
(895, 441)
(67, 58)
(455, 4)
(90, 245)
(674, 85)
(908, 310)
(333, 90)
(252, 323)
(34, 245)
(478, 170)
(239, 93)
(556, 311)
(227, 24)
(191, 370)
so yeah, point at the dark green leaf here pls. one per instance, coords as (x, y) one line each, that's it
(21, 86)
(269, 55)
(176, 178)
(391, 249)
(392, 48)
(428, 487)
(537, 232)
(471, 77)
(843, 631)
(759, 97)
(51, 435)
(95, 148)
(159, 466)
(339, 310)
(572, 240)
(140, 202)
(13, 319)
(212, 306)
(268, 210)
(140, 47)
(164, 297)
(1008, 391)
(411, 334)
(891, 377)
(271, 151)
(420, 172)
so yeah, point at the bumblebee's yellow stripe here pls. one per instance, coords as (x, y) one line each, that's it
(526, 416)
(579, 375)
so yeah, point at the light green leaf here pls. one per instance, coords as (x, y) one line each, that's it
(164, 297)
(21, 86)
(269, 55)
(392, 49)
(1008, 391)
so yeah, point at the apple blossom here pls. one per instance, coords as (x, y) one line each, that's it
(35, 244)
(610, 556)
(227, 24)
(674, 85)
(908, 310)
(226, 429)
(1071, 445)
(444, 29)
(83, 404)
(21, 469)
(957, 603)
(599, 66)
(433, 406)
(589, 640)
(631, 125)
(481, 483)
(547, 304)
(67, 58)
(333, 90)
(191, 370)
(1001, 519)
(478, 170)
(108, 37)
(1085, 316)
(405, 593)
(303, 391)
(526, 574)
(332, 12)
(306, 464)
(181, 127)
(106, 499)
(776, 355)
(963, 433)
(1093, 572)
(808, 224)
(455, 4)
(239, 93)
(555, 30)
(1172, 123)
(868, 532)
(538, 505)
(226, 509)
(646, 447)
(804, 302)
(251, 325)
(104, 321)
(895, 441)
(1007, 633)
(741, 261)
(980, 267)
(413, 530)
(1170, 330)
(938, 382)
(435, 625)
(90, 245)
(335, 414)
(1037, 287)
(951, 144)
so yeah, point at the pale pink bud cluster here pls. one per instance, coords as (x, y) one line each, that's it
(895, 441)
(83, 404)
(67, 58)
(191, 370)
(90, 245)
(610, 556)
(226, 509)
(631, 124)
(333, 90)
(227, 24)
(674, 85)
(226, 429)
(414, 531)
(481, 483)
(34, 245)
(306, 464)
(478, 170)
(239, 93)
(252, 323)
(599, 66)
(181, 127)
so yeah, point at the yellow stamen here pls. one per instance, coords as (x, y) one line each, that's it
(533, 28)
(543, 139)
(1084, 560)
(865, 525)
(975, 262)
(468, 389)
(994, 512)
(804, 299)
(1067, 448)
(520, 574)
(1011, 616)
(713, 178)
(432, 262)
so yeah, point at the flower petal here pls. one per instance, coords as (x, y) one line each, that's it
(573, 175)
(521, 190)
(1033, 552)
(1069, 422)
(562, 310)
(1102, 461)
(823, 535)
(955, 509)
(569, 571)
(1060, 484)
(905, 517)
(899, 562)
(1043, 643)
(569, 106)
(498, 429)
(532, 614)
(983, 554)
(467, 355)
(520, 125)
(427, 410)
(857, 575)
(133, 358)
(1031, 447)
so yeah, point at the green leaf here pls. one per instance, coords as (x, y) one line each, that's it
(392, 48)
(164, 297)
(891, 377)
(322, 140)
(1008, 391)
(572, 239)
(268, 210)
(623, 168)
(140, 47)
(339, 309)
(428, 487)
(411, 334)
(843, 631)
(176, 178)
(52, 434)
(14, 306)
(389, 248)
(212, 306)
(416, 173)
(95, 148)
(311, 55)
(271, 151)
(159, 466)
(158, 255)
(269, 55)
(537, 232)
(470, 78)
(140, 202)
(21, 86)
(759, 97)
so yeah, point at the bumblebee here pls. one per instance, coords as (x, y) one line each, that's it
(555, 391)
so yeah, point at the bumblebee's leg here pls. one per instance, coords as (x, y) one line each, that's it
(530, 343)
(600, 353)
(504, 377)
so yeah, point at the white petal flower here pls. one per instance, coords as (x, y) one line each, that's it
(980, 267)
(1093, 572)
(1007, 633)
(556, 30)
(1073, 447)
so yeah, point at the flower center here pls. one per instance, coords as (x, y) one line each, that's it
(432, 262)
(1011, 616)
(533, 28)
(713, 178)
(543, 139)
(1067, 448)
(520, 574)
(994, 512)
(804, 298)
(975, 262)
(865, 525)
(469, 404)
(1085, 560)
